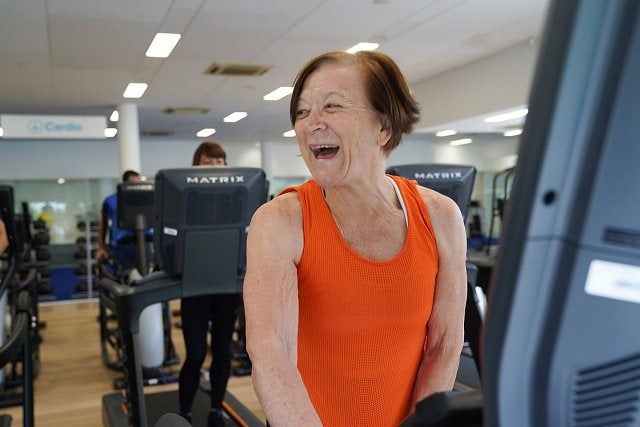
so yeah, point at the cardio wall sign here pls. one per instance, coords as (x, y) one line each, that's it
(52, 127)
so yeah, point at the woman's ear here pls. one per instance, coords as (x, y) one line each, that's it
(385, 130)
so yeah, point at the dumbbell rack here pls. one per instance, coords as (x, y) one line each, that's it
(86, 269)
(41, 254)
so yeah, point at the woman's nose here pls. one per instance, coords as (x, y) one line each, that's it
(316, 120)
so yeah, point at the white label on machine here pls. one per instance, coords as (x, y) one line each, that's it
(613, 280)
(170, 231)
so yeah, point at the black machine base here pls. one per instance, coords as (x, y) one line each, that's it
(157, 404)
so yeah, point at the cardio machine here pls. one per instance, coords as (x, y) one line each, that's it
(201, 218)
(135, 213)
(17, 342)
(560, 341)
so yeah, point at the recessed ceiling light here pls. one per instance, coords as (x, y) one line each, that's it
(362, 46)
(462, 141)
(289, 134)
(61, 180)
(206, 132)
(447, 132)
(512, 132)
(162, 45)
(110, 132)
(507, 116)
(115, 116)
(134, 90)
(277, 94)
(234, 117)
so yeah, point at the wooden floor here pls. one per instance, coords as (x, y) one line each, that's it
(72, 378)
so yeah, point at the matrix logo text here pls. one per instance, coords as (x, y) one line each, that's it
(438, 175)
(215, 179)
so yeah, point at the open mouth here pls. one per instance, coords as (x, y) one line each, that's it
(324, 151)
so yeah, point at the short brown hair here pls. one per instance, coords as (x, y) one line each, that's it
(384, 83)
(211, 149)
(127, 175)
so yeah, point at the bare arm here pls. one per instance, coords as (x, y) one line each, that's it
(445, 330)
(270, 293)
(103, 224)
(4, 239)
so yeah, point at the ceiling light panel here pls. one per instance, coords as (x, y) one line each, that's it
(362, 47)
(162, 45)
(234, 117)
(462, 141)
(278, 94)
(512, 132)
(446, 132)
(135, 90)
(507, 116)
(205, 132)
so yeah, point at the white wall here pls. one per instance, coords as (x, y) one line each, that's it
(23, 159)
(486, 155)
(283, 159)
(26, 160)
(159, 154)
(50, 159)
(412, 149)
(495, 83)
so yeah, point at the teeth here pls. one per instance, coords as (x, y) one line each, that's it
(318, 149)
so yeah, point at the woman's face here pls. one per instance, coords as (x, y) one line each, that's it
(339, 134)
(206, 160)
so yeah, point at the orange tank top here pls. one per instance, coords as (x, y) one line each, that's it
(362, 323)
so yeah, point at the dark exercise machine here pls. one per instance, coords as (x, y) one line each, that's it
(498, 204)
(135, 213)
(201, 218)
(560, 341)
(456, 182)
(17, 342)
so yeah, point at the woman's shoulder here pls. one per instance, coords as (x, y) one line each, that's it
(438, 200)
(446, 220)
(276, 228)
(283, 210)
(443, 211)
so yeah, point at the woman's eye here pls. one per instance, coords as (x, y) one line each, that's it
(331, 106)
(302, 113)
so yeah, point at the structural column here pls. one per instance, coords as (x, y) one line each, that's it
(128, 138)
(266, 158)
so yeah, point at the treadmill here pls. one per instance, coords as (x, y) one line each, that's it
(201, 218)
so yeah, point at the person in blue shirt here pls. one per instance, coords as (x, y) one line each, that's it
(121, 243)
